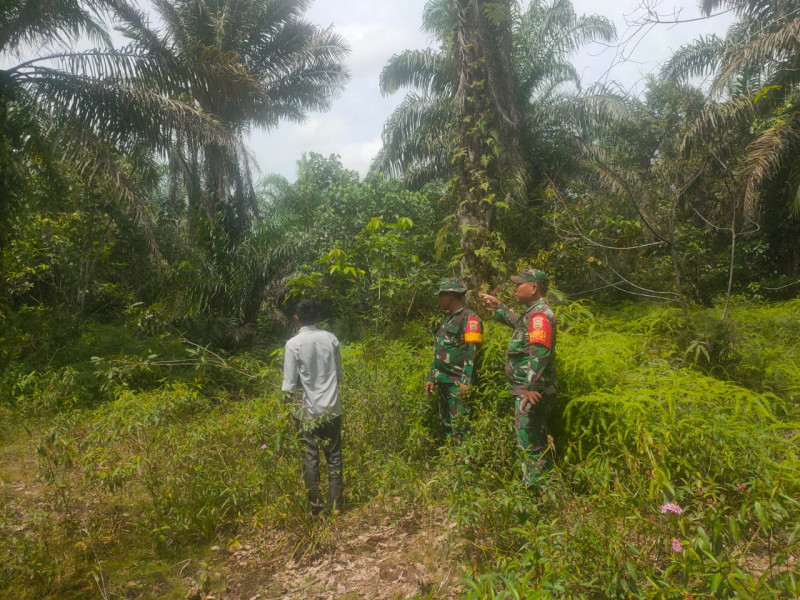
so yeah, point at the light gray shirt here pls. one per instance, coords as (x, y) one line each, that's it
(312, 361)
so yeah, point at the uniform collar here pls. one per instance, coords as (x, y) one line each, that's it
(535, 305)
(458, 311)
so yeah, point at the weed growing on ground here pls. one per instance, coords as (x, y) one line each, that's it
(676, 473)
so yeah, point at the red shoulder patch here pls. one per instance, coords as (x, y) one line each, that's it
(472, 331)
(540, 331)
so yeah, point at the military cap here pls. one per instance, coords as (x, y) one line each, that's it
(533, 275)
(451, 284)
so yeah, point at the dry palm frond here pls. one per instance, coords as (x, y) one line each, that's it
(768, 50)
(766, 154)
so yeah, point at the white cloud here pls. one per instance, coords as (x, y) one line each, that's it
(359, 155)
(376, 30)
(373, 43)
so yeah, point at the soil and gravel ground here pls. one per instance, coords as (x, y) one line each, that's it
(363, 553)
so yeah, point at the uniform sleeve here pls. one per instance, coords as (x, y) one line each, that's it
(431, 374)
(290, 370)
(432, 369)
(536, 361)
(505, 315)
(539, 349)
(473, 337)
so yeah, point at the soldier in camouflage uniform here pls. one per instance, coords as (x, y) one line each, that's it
(530, 366)
(452, 370)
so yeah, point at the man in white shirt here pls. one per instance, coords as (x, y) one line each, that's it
(313, 363)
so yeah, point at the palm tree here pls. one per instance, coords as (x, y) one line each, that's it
(481, 105)
(267, 64)
(418, 135)
(755, 86)
(103, 112)
(468, 119)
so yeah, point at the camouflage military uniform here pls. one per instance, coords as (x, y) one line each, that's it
(457, 342)
(530, 365)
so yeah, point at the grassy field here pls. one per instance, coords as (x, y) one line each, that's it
(168, 471)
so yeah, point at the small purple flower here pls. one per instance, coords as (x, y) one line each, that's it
(669, 507)
(263, 446)
(677, 545)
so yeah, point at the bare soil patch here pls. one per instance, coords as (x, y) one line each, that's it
(367, 554)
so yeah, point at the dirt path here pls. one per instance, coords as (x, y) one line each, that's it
(19, 488)
(370, 556)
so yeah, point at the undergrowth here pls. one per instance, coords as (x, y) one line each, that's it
(677, 472)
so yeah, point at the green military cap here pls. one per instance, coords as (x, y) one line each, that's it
(451, 284)
(533, 275)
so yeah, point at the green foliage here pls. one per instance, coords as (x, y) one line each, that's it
(645, 431)
(49, 393)
(126, 302)
(206, 453)
(382, 278)
(770, 354)
(682, 428)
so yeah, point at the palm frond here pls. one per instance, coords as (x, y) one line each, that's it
(766, 154)
(719, 117)
(123, 113)
(425, 71)
(50, 23)
(696, 59)
(413, 134)
(768, 50)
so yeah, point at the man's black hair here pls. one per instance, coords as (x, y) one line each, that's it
(307, 311)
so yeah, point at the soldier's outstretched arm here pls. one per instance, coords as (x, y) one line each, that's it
(489, 300)
(505, 315)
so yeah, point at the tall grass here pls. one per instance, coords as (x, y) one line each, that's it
(210, 456)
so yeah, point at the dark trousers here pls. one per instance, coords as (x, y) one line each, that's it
(328, 434)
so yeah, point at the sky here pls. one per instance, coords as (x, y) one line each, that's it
(377, 29)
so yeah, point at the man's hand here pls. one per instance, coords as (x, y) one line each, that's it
(428, 388)
(490, 300)
(463, 389)
(530, 397)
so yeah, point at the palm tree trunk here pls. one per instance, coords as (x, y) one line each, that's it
(488, 122)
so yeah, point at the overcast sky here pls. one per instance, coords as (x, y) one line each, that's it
(376, 29)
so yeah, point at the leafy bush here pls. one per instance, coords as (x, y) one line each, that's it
(670, 483)
(211, 455)
(38, 395)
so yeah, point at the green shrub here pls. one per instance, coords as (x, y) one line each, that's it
(683, 428)
(48, 393)
(210, 454)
